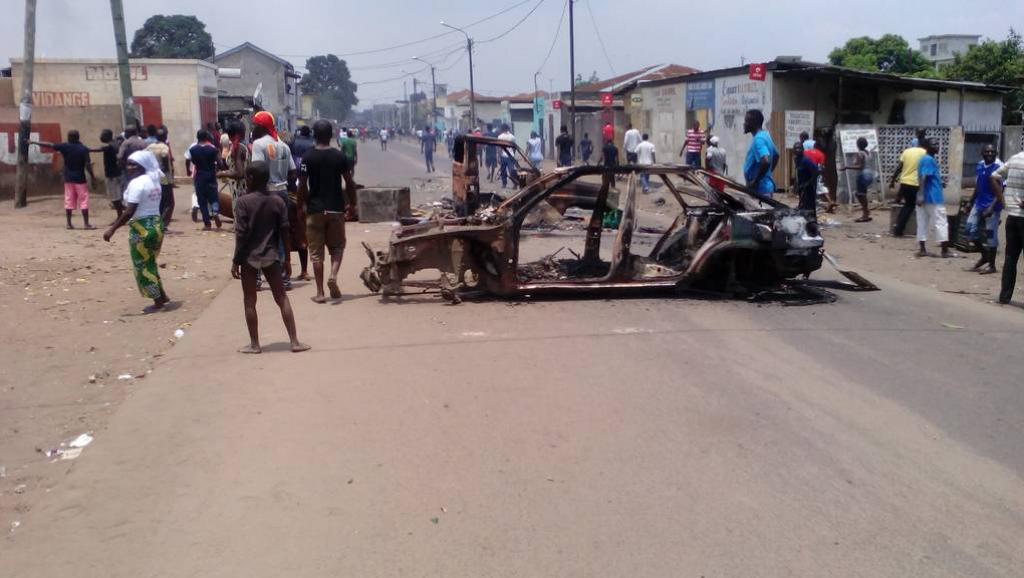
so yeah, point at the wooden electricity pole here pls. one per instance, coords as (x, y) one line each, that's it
(123, 69)
(25, 109)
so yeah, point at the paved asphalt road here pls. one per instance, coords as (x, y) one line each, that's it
(877, 436)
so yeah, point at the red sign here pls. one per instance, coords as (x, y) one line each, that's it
(758, 72)
(556, 104)
(607, 99)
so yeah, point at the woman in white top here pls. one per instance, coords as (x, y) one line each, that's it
(142, 214)
(535, 149)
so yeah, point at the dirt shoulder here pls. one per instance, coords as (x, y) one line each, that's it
(73, 322)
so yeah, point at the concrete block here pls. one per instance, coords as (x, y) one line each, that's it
(383, 204)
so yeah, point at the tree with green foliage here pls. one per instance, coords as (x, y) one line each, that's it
(994, 62)
(891, 54)
(580, 81)
(328, 80)
(175, 36)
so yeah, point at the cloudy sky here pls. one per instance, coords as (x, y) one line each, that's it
(704, 35)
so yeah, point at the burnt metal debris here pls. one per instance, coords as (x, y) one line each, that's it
(727, 240)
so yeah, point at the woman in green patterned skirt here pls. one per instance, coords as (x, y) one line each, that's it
(142, 214)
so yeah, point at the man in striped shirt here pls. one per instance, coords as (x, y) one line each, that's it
(1011, 196)
(695, 138)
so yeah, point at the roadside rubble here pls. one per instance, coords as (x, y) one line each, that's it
(69, 450)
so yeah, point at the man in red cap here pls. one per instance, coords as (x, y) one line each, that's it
(268, 148)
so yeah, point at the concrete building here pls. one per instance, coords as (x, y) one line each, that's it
(961, 115)
(941, 49)
(76, 93)
(275, 77)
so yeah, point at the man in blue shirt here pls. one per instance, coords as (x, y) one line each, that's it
(931, 206)
(983, 223)
(761, 157)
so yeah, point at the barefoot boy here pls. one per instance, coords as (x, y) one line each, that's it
(261, 224)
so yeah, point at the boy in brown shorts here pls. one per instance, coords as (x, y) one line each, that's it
(321, 192)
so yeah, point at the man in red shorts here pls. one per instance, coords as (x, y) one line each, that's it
(76, 165)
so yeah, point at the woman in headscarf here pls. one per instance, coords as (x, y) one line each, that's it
(142, 214)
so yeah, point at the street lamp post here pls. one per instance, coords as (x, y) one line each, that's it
(472, 90)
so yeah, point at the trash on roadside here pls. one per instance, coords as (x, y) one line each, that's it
(435, 520)
(124, 377)
(14, 525)
(81, 441)
(829, 222)
(92, 379)
(70, 453)
(20, 488)
(952, 326)
(179, 333)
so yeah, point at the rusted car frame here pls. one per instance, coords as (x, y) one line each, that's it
(728, 241)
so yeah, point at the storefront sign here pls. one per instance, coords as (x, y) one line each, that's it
(737, 95)
(109, 72)
(556, 104)
(51, 99)
(758, 72)
(798, 121)
(700, 95)
(607, 99)
(636, 99)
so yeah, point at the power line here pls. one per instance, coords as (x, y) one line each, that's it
(599, 39)
(558, 30)
(405, 61)
(516, 25)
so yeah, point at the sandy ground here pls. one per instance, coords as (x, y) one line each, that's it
(73, 323)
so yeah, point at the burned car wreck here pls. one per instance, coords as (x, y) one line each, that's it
(688, 235)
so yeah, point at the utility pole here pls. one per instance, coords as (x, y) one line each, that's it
(408, 103)
(472, 90)
(25, 110)
(433, 104)
(572, 82)
(411, 121)
(123, 69)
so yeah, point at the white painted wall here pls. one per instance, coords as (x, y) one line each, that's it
(734, 96)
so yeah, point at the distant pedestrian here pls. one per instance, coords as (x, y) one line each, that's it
(630, 141)
(863, 177)
(449, 141)
(717, 163)
(132, 143)
(204, 157)
(564, 145)
(535, 149)
(165, 158)
(142, 214)
(428, 144)
(762, 156)
(349, 148)
(111, 170)
(303, 142)
(807, 172)
(1008, 183)
(150, 134)
(322, 198)
(694, 144)
(77, 165)
(907, 173)
(931, 205)
(983, 222)
(586, 148)
(261, 224)
(610, 154)
(383, 139)
(508, 163)
(608, 132)
(491, 155)
(645, 157)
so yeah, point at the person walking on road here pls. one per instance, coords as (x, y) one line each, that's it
(645, 157)
(383, 139)
(807, 172)
(508, 163)
(165, 157)
(350, 149)
(268, 147)
(564, 145)
(204, 157)
(142, 214)
(608, 132)
(261, 225)
(907, 173)
(1008, 183)
(303, 143)
(717, 164)
(77, 165)
(322, 195)
(630, 141)
(586, 148)
(428, 144)
(762, 156)
(694, 144)
(610, 154)
(983, 221)
(535, 149)
(931, 206)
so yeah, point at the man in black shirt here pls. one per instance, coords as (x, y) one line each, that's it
(76, 164)
(321, 176)
(112, 170)
(564, 145)
(610, 154)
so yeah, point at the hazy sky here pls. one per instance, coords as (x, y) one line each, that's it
(704, 35)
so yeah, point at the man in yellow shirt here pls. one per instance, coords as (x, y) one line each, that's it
(906, 172)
